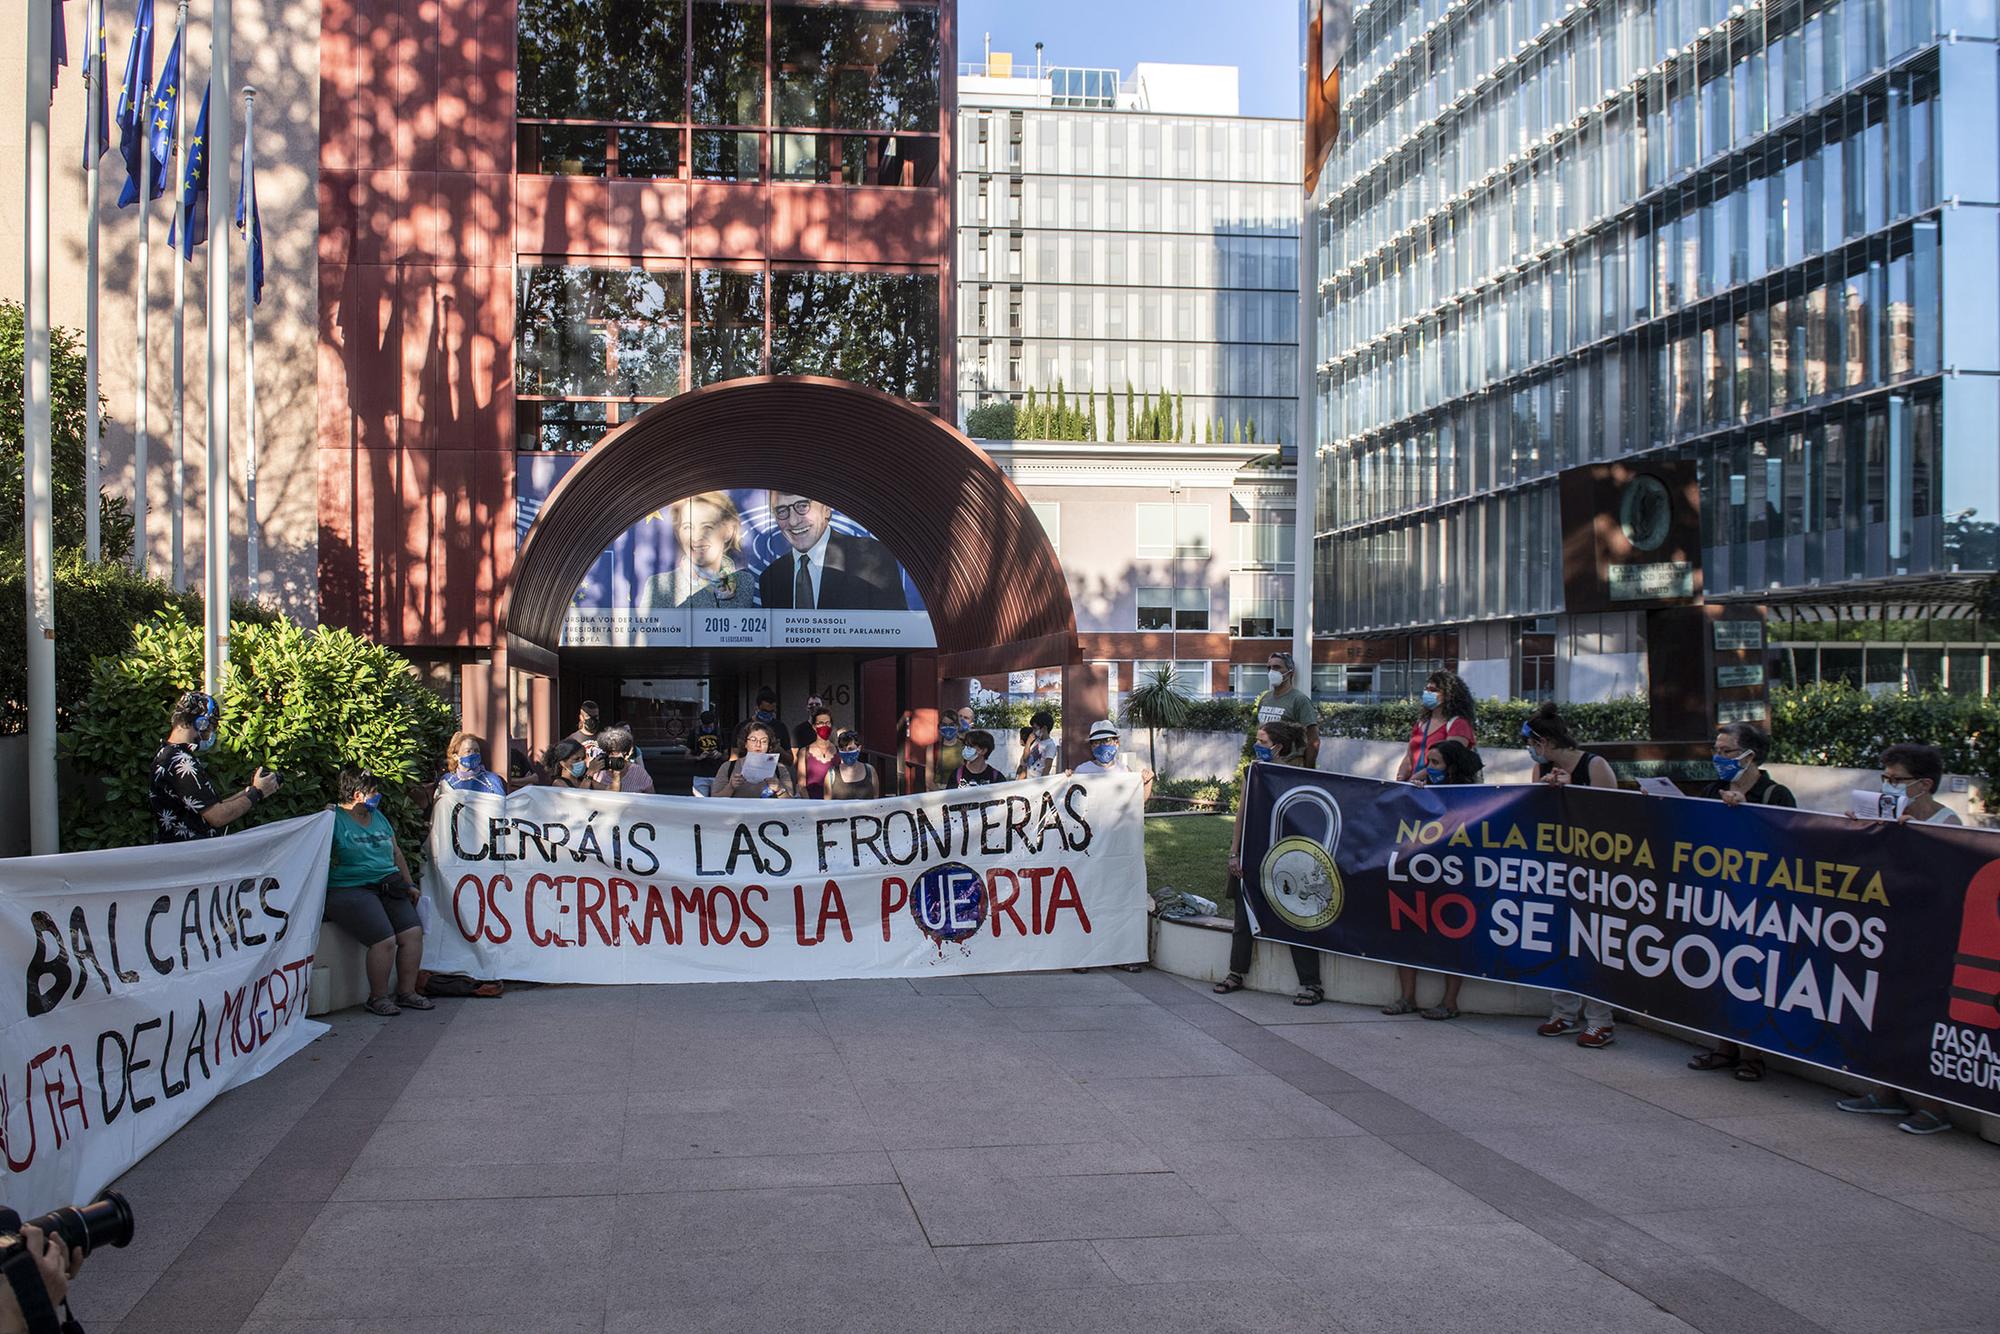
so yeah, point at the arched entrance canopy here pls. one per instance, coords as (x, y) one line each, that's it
(958, 524)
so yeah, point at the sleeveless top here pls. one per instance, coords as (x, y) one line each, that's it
(816, 771)
(839, 789)
(1579, 776)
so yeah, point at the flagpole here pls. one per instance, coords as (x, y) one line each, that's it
(36, 441)
(249, 350)
(141, 552)
(1305, 517)
(215, 648)
(93, 427)
(177, 559)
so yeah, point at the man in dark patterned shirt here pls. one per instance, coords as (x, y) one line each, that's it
(185, 804)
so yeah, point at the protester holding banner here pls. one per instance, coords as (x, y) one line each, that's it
(1912, 774)
(974, 771)
(1278, 742)
(371, 895)
(1106, 757)
(1561, 761)
(735, 777)
(465, 766)
(1447, 716)
(852, 779)
(566, 764)
(185, 804)
(1450, 763)
(1740, 751)
(616, 766)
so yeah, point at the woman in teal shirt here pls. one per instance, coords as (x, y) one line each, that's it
(371, 895)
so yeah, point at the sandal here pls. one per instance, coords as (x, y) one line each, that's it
(1750, 1070)
(410, 1000)
(1309, 996)
(1441, 1012)
(1228, 984)
(383, 1006)
(1711, 1060)
(1403, 1005)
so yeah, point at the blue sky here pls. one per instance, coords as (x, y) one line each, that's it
(1259, 37)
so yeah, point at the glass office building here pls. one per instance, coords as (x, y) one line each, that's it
(1760, 236)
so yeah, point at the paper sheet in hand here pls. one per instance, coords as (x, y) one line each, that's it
(1868, 804)
(758, 766)
(1660, 787)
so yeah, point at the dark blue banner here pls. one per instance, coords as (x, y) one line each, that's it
(1867, 947)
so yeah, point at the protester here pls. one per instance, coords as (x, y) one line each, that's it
(754, 738)
(767, 710)
(1285, 702)
(1560, 761)
(852, 778)
(1044, 752)
(566, 764)
(465, 766)
(371, 895)
(973, 770)
(803, 734)
(1451, 762)
(617, 767)
(1106, 757)
(953, 724)
(1024, 738)
(1740, 752)
(521, 772)
(1278, 742)
(185, 804)
(1914, 773)
(706, 744)
(818, 757)
(1447, 716)
(588, 718)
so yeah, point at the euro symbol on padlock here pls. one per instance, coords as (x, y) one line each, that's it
(1298, 875)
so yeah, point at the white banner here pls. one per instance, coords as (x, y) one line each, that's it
(146, 981)
(555, 885)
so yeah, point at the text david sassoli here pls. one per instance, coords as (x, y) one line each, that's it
(1706, 914)
(45, 1100)
(735, 882)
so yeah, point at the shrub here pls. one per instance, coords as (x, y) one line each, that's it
(1013, 714)
(1173, 794)
(68, 426)
(1497, 722)
(304, 701)
(991, 421)
(1840, 725)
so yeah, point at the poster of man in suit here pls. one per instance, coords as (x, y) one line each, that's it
(823, 570)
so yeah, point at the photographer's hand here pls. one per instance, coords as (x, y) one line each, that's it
(56, 1270)
(265, 781)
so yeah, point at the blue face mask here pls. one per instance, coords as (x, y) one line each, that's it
(765, 716)
(576, 770)
(1262, 752)
(1898, 790)
(1105, 753)
(948, 732)
(850, 757)
(206, 741)
(469, 761)
(1434, 774)
(1728, 768)
(1430, 699)
(372, 800)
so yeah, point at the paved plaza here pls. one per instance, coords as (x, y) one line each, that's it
(1098, 1152)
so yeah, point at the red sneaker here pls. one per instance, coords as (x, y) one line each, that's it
(1556, 1028)
(1597, 1037)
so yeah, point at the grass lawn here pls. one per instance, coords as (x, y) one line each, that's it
(1191, 852)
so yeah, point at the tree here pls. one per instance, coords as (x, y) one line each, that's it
(1030, 424)
(1180, 419)
(1131, 431)
(1061, 431)
(1090, 416)
(1158, 700)
(1251, 431)
(992, 421)
(68, 419)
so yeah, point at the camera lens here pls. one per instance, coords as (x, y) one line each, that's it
(105, 1221)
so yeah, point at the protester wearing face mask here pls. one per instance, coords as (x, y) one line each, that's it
(588, 719)
(1107, 757)
(754, 738)
(818, 757)
(953, 724)
(1912, 774)
(705, 746)
(1447, 716)
(1285, 702)
(1740, 751)
(1278, 742)
(1044, 752)
(371, 895)
(851, 778)
(974, 771)
(185, 803)
(617, 767)
(804, 734)
(465, 766)
(1449, 763)
(1560, 761)
(566, 764)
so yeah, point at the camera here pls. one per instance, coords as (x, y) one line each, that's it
(105, 1221)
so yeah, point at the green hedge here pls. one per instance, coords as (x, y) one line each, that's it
(1498, 722)
(304, 701)
(1846, 727)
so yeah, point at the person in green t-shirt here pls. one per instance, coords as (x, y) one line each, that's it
(1284, 702)
(371, 895)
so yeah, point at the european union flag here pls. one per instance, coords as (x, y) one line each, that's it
(58, 45)
(94, 66)
(133, 101)
(249, 223)
(194, 186)
(165, 110)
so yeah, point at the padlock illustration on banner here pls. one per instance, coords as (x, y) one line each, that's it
(1298, 875)
(1975, 975)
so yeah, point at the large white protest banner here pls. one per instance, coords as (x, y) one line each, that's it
(146, 981)
(557, 885)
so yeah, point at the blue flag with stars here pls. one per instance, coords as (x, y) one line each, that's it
(133, 100)
(165, 110)
(58, 46)
(94, 66)
(194, 186)
(249, 223)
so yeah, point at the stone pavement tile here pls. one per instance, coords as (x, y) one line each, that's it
(582, 1322)
(1866, 1266)
(1186, 1259)
(484, 1107)
(501, 1181)
(1100, 987)
(428, 1259)
(225, 1268)
(1973, 1210)
(1491, 1277)
(1515, 1095)
(1095, 1158)
(170, 1206)
(724, 997)
(961, 1211)
(1381, 1113)
(1401, 1046)
(1083, 1018)
(1111, 1054)
(657, 1136)
(1869, 1151)
(568, 1130)
(1319, 1077)
(1653, 1168)
(484, 1073)
(1319, 1185)
(732, 1223)
(307, 1165)
(692, 1090)
(1275, 1009)
(1258, 1106)
(1705, 1094)
(1256, 1306)
(660, 1278)
(1268, 1051)
(1016, 1266)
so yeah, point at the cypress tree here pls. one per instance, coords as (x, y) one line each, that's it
(1131, 432)
(1180, 419)
(1030, 417)
(1090, 415)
